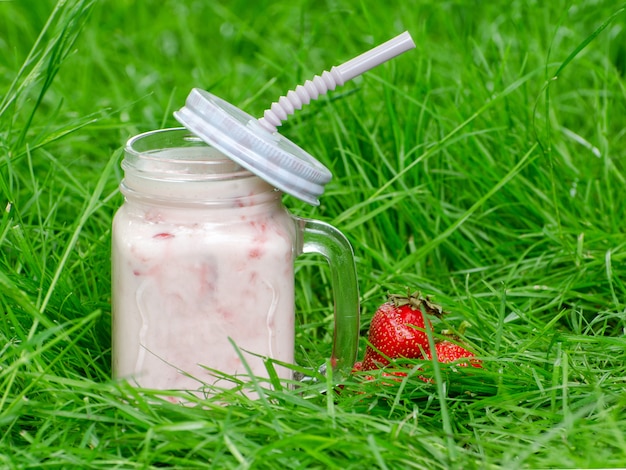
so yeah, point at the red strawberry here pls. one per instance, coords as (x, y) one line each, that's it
(447, 351)
(397, 330)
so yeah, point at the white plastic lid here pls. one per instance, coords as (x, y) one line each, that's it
(239, 136)
(255, 144)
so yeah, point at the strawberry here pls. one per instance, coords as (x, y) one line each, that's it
(448, 351)
(397, 330)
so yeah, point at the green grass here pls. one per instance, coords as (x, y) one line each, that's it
(486, 167)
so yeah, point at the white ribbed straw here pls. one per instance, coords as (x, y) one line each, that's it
(329, 80)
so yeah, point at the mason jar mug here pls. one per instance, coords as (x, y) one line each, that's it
(203, 257)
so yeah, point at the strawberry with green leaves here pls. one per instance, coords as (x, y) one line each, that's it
(397, 330)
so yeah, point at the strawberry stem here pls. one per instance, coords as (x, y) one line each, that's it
(416, 301)
(458, 334)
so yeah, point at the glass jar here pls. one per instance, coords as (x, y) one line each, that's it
(202, 260)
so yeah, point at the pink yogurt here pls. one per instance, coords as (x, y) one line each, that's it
(202, 254)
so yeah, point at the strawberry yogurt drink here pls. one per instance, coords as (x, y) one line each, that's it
(202, 260)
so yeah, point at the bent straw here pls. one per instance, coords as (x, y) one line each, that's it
(329, 80)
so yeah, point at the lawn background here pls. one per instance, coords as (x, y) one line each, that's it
(486, 167)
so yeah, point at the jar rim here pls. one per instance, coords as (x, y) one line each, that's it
(177, 154)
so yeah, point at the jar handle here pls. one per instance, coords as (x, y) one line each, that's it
(324, 239)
